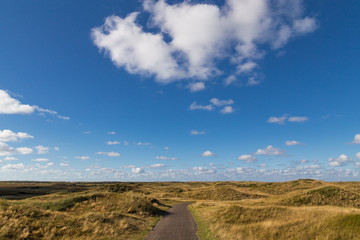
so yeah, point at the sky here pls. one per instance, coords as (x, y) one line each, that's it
(215, 90)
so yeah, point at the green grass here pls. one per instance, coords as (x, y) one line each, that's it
(203, 230)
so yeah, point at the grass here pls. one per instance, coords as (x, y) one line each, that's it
(302, 209)
(203, 230)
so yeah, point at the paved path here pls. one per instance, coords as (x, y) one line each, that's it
(178, 224)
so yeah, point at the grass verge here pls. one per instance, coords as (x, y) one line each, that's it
(203, 230)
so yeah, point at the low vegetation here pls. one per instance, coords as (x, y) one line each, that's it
(302, 209)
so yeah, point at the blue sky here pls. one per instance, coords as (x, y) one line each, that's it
(171, 90)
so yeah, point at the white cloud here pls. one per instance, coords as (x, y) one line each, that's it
(227, 110)
(137, 170)
(56, 148)
(9, 136)
(357, 155)
(13, 167)
(87, 132)
(111, 133)
(10, 159)
(252, 81)
(196, 86)
(64, 164)
(143, 144)
(356, 139)
(195, 132)
(204, 170)
(42, 149)
(208, 154)
(270, 151)
(339, 161)
(157, 165)
(9, 105)
(285, 117)
(166, 158)
(109, 154)
(248, 158)
(200, 34)
(6, 150)
(305, 25)
(83, 157)
(298, 119)
(229, 80)
(293, 143)
(217, 102)
(24, 150)
(112, 142)
(41, 160)
(246, 67)
(278, 120)
(166, 148)
(195, 106)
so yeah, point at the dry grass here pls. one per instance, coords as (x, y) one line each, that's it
(302, 209)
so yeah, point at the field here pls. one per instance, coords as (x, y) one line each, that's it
(302, 209)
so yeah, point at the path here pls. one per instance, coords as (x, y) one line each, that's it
(178, 224)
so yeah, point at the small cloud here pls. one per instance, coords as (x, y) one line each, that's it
(252, 82)
(166, 148)
(230, 80)
(143, 144)
(41, 160)
(270, 151)
(83, 157)
(248, 158)
(208, 154)
(217, 102)
(24, 150)
(357, 155)
(195, 132)
(10, 158)
(227, 110)
(196, 87)
(246, 67)
(87, 132)
(356, 139)
(109, 154)
(339, 161)
(278, 120)
(10, 136)
(195, 106)
(13, 167)
(298, 119)
(112, 142)
(166, 158)
(137, 170)
(41, 149)
(263, 165)
(64, 164)
(112, 133)
(56, 148)
(293, 143)
(157, 165)
(281, 120)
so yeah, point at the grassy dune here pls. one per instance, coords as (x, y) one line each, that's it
(302, 209)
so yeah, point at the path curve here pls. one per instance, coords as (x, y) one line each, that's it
(177, 224)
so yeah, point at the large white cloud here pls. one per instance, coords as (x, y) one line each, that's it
(339, 161)
(9, 105)
(6, 150)
(186, 40)
(9, 136)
